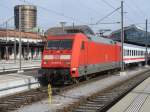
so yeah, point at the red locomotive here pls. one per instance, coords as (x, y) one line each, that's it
(68, 57)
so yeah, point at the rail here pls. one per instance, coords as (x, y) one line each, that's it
(102, 101)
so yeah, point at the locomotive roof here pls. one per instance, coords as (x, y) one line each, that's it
(101, 39)
(70, 29)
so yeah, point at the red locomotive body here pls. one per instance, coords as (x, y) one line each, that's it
(70, 56)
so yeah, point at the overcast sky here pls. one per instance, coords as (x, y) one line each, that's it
(51, 12)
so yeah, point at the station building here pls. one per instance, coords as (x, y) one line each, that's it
(132, 34)
(32, 45)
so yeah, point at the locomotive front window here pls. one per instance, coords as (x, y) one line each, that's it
(60, 44)
(53, 44)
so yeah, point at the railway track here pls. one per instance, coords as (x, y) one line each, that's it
(13, 102)
(102, 101)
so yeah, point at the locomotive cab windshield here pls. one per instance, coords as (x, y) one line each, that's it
(65, 44)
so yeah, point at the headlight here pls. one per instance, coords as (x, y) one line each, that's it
(65, 56)
(74, 69)
(45, 62)
(48, 57)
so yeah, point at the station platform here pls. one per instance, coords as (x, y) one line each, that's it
(138, 100)
(13, 83)
(11, 65)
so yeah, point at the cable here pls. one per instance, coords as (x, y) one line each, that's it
(9, 19)
(108, 4)
(138, 8)
(53, 11)
(107, 16)
(133, 10)
(90, 9)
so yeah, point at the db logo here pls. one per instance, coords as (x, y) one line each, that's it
(56, 56)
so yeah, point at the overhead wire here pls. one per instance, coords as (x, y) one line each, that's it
(97, 12)
(7, 20)
(108, 4)
(138, 8)
(54, 12)
(89, 8)
(61, 14)
(133, 10)
(109, 14)
(139, 12)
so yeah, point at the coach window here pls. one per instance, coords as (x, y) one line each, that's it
(129, 52)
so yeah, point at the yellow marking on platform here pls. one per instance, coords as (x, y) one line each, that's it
(50, 93)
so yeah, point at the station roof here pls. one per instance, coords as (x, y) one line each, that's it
(13, 33)
(132, 34)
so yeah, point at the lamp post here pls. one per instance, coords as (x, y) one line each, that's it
(146, 45)
(122, 37)
(20, 43)
(14, 46)
(122, 73)
(6, 40)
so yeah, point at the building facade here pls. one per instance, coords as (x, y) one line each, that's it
(32, 45)
(26, 16)
(132, 34)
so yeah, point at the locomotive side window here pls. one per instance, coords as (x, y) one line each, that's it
(82, 46)
(60, 44)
